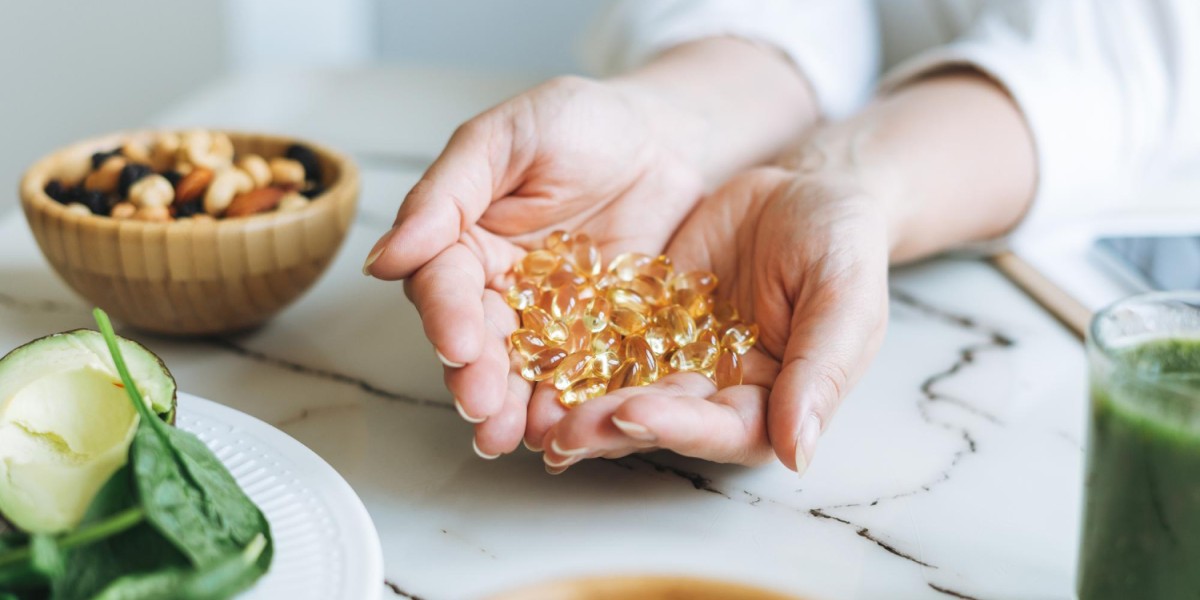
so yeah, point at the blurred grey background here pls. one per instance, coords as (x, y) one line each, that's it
(72, 69)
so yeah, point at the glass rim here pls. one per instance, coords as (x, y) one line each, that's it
(1096, 340)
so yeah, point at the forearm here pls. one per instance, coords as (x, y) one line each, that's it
(723, 103)
(949, 157)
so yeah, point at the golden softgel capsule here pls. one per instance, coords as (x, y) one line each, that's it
(589, 330)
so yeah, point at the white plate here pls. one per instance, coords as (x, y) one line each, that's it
(325, 544)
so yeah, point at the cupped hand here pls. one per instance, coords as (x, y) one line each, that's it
(805, 256)
(571, 154)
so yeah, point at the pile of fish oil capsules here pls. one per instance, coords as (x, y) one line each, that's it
(590, 330)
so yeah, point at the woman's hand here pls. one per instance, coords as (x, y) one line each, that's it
(570, 154)
(803, 256)
(624, 161)
(942, 161)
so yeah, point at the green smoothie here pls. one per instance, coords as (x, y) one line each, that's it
(1141, 530)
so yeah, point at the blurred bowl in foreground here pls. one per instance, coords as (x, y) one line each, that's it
(642, 587)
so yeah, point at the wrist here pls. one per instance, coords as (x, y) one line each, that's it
(851, 152)
(723, 103)
(949, 158)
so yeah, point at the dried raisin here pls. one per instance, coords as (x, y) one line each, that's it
(96, 202)
(99, 157)
(173, 176)
(57, 191)
(188, 209)
(130, 175)
(305, 156)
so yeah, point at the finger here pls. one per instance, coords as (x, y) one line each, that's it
(835, 331)
(449, 198)
(501, 432)
(496, 254)
(728, 427)
(544, 411)
(480, 387)
(448, 294)
(589, 430)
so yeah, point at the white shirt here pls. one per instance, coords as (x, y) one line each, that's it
(1110, 89)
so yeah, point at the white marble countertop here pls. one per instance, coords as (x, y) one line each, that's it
(952, 470)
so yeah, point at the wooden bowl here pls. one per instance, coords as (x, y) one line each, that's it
(190, 277)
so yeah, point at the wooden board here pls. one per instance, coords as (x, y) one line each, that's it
(1068, 310)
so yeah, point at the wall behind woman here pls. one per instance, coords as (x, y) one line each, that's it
(71, 69)
(531, 36)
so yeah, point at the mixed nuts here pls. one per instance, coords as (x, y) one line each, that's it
(194, 174)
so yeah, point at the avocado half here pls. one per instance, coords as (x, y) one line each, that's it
(66, 423)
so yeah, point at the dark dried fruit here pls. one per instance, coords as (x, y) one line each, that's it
(130, 175)
(56, 191)
(306, 157)
(99, 157)
(173, 177)
(187, 209)
(96, 202)
(70, 195)
(312, 191)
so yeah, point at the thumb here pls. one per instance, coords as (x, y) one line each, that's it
(450, 197)
(836, 327)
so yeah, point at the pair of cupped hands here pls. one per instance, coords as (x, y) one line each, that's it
(800, 252)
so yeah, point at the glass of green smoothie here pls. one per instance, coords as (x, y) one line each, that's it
(1141, 525)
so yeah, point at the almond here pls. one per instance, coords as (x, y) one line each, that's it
(254, 202)
(192, 185)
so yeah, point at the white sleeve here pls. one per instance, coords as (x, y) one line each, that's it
(1110, 91)
(834, 43)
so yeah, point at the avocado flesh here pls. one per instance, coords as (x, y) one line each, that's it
(66, 423)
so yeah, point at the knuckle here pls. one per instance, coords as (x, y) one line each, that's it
(831, 380)
(770, 173)
(761, 180)
(569, 83)
(419, 189)
(470, 130)
(672, 388)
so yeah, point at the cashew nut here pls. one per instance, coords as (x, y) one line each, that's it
(152, 190)
(287, 172)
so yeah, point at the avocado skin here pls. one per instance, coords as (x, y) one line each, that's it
(167, 417)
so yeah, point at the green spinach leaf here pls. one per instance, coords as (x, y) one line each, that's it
(131, 545)
(218, 581)
(187, 493)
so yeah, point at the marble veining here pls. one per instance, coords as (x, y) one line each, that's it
(331, 375)
(397, 591)
(990, 340)
(953, 469)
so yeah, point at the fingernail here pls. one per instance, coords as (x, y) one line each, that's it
(636, 431)
(529, 446)
(573, 452)
(555, 470)
(463, 413)
(446, 361)
(481, 453)
(806, 442)
(376, 252)
(559, 464)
